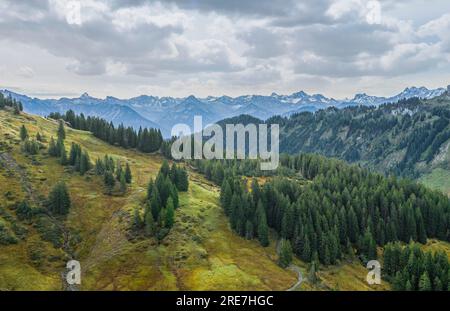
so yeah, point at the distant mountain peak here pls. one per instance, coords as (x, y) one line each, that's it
(85, 95)
(191, 97)
(300, 94)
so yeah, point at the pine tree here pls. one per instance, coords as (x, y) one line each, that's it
(128, 176)
(61, 130)
(149, 224)
(63, 154)
(225, 196)
(155, 203)
(123, 184)
(165, 169)
(59, 200)
(182, 179)
(16, 109)
(425, 283)
(119, 171)
(170, 214)
(437, 284)
(99, 167)
(23, 133)
(52, 148)
(85, 163)
(24, 211)
(109, 181)
(263, 229)
(285, 256)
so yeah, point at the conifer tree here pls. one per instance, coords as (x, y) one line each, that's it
(59, 200)
(23, 133)
(182, 179)
(61, 130)
(85, 163)
(109, 181)
(123, 184)
(52, 148)
(149, 224)
(263, 230)
(128, 176)
(63, 154)
(424, 282)
(170, 214)
(285, 256)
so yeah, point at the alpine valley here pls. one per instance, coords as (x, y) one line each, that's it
(359, 180)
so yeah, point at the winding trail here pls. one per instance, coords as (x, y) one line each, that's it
(294, 268)
(300, 277)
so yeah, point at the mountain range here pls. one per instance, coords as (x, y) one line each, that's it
(164, 112)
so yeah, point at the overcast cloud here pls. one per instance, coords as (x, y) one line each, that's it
(175, 48)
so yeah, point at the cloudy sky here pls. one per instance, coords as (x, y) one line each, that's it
(125, 48)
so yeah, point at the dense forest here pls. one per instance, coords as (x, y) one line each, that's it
(410, 268)
(145, 140)
(393, 138)
(401, 138)
(327, 209)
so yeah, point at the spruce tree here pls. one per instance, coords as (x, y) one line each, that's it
(59, 200)
(149, 224)
(61, 130)
(285, 256)
(263, 229)
(170, 214)
(123, 184)
(23, 133)
(52, 148)
(128, 176)
(109, 181)
(424, 282)
(63, 154)
(182, 179)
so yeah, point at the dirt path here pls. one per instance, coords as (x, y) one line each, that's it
(299, 276)
(294, 268)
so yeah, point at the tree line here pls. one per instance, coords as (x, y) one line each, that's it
(145, 140)
(79, 159)
(328, 209)
(8, 101)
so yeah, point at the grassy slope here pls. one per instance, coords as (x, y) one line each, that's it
(200, 252)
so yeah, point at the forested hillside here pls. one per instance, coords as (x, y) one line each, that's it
(83, 198)
(324, 210)
(407, 138)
